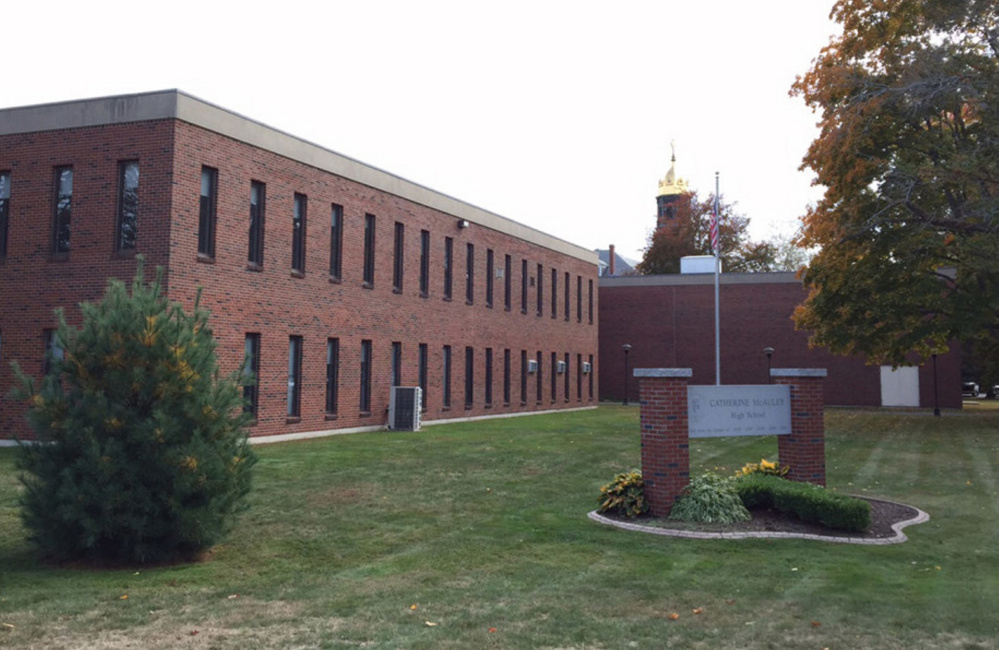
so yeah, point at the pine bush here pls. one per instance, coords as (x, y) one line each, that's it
(142, 454)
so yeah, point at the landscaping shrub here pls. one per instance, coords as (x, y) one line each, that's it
(142, 455)
(809, 502)
(625, 495)
(710, 499)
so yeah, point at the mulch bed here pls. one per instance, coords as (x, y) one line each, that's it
(884, 514)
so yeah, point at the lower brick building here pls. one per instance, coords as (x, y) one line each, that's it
(668, 322)
(338, 280)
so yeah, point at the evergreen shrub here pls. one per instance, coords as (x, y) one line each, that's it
(809, 502)
(142, 455)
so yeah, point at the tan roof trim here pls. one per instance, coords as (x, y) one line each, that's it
(174, 104)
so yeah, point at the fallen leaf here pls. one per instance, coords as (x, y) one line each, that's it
(730, 601)
(816, 624)
(794, 568)
(413, 606)
(698, 610)
(194, 632)
(430, 624)
(125, 597)
(673, 616)
(8, 626)
(492, 630)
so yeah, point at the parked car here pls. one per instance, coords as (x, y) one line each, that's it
(992, 392)
(969, 389)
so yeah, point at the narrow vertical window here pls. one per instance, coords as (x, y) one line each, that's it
(589, 297)
(579, 299)
(589, 379)
(332, 375)
(398, 258)
(565, 378)
(446, 378)
(523, 286)
(424, 263)
(251, 374)
(336, 241)
(554, 386)
(4, 211)
(396, 363)
(206, 211)
(554, 293)
(540, 373)
(490, 272)
(469, 274)
(506, 377)
(523, 377)
(62, 210)
(448, 266)
(507, 282)
(294, 376)
(298, 235)
(469, 376)
(423, 374)
(565, 301)
(541, 290)
(369, 250)
(53, 352)
(365, 392)
(128, 206)
(579, 378)
(489, 377)
(255, 253)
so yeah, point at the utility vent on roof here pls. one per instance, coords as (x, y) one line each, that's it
(404, 408)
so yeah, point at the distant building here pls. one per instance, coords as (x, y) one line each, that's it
(613, 265)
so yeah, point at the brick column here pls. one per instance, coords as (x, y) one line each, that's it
(665, 447)
(805, 448)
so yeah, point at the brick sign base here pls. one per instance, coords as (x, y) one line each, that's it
(666, 445)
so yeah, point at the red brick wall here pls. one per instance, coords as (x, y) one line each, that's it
(804, 449)
(665, 440)
(273, 301)
(672, 326)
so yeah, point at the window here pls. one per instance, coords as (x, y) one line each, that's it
(63, 209)
(4, 211)
(579, 299)
(365, 393)
(206, 211)
(398, 264)
(539, 375)
(298, 235)
(490, 271)
(294, 376)
(523, 286)
(523, 377)
(128, 206)
(554, 377)
(396, 363)
(332, 375)
(336, 241)
(565, 378)
(470, 274)
(565, 302)
(469, 378)
(554, 293)
(251, 373)
(506, 377)
(507, 282)
(589, 379)
(541, 290)
(424, 263)
(255, 254)
(369, 250)
(579, 378)
(448, 266)
(590, 300)
(489, 377)
(423, 375)
(446, 379)
(53, 351)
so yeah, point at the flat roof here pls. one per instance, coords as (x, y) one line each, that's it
(695, 279)
(175, 104)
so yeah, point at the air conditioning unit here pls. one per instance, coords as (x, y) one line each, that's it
(499, 273)
(404, 408)
(587, 367)
(532, 366)
(561, 367)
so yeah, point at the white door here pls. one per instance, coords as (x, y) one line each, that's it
(899, 387)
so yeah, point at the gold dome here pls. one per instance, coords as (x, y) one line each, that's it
(671, 185)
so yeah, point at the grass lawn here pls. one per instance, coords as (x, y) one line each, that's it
(480, 529)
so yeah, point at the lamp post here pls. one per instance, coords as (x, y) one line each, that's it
(936, 401)
(627, 348)
(769, 351)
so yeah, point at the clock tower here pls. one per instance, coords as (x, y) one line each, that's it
(671, 188)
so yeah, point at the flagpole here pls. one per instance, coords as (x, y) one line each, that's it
(716, 245)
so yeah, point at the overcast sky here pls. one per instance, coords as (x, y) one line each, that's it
(555, 114)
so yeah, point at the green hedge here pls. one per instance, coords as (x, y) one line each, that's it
(810, 503)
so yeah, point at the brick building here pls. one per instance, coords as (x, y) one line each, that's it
(338, 279)
(668, 320)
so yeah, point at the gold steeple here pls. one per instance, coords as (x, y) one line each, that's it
(672, 185)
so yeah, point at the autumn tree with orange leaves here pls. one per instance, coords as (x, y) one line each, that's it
(908, 153)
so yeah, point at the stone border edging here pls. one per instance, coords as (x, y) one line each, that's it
(898, 538)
